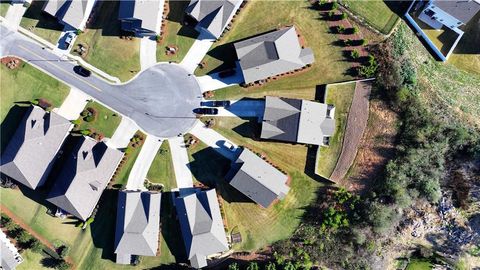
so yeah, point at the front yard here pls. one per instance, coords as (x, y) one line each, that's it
(341, 96)
(161, 170)
(104, 122)
(105, 49)
(22, 85)
(40, 23)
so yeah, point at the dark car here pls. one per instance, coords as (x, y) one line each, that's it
(220, 103)
(82, 71)
(226, 73)
(211, 111)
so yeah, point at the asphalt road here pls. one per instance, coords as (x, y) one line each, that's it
(160, 100)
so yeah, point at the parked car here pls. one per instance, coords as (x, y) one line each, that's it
(82, 71)
(226, 73)
(220, 103)
(69, 39)
(210, 111)
(229, 146)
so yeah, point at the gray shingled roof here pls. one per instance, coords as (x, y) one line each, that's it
(140, 16)
(84, 177)
(463, 10)
(213, 15)
(295, 120)
(271, 54)
(32, 150)
(257, 179)
(71, 12)
(138, 222)
(201, 225)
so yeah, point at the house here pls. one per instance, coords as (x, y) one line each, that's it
(84, 176)
(451, 13)
(142, 17)
(138, 224)
(297, 121)
(74, 13)
(272, 54)
(32, 150)
(212, 16)
(9, 253)
(257, 179)
(201, 225)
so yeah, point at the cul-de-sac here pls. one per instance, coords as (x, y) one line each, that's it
(240, 134)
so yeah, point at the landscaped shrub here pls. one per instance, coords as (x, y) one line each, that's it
(331, 14)
(24, 238)
(5, 220)
(89, 118)
(363, 42)
(85, 132)
(340, 29)
(36, 246)
(63, 251)
(334, 6)
(347, 42)
(354, 54)
(343, 16)
(353, 30)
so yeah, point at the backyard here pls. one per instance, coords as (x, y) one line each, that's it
(375, 12)
(261, 16)
(341, 96)
(161, 170)
(466, 55)
(19, 87)
(258, 226)
(116, 56)
(40, 23)
(175, 34)
(104, 121)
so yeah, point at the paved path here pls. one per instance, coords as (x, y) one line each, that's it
(73, 104)
(62, 47)
(123, 134)
(242, 108)
(213, 82)
(145, 158)
(356, 124)
(214, 140)
(148, 52)
(159, 100)
(14, 15)
(197, 52)
(181, 166)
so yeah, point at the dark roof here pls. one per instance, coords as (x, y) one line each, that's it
(463, 10)
(257, 179)
(86, 173)
(31, 152)
(138, 222)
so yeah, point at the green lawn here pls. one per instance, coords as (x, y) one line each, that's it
(106, 51)
(176, 34)
(466, 55)
(375, 12)
(261, 16)
(4, 8)
(258, 226)
(31, 260)
(419, 264)
(161, 170)
(24, 84)
(341, 96)
(106, 121)
(41, 23)
(131, 155)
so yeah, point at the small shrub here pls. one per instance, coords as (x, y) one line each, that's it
(34, 102)
(354, 30)
(36, 246)
(334, 6)
(331, 14)
(347, 42)
(354, 54)
(63, 251)
(76, 122)
(86, 132)
(24, 238)
(363, 42)
(343, 16)
(340, 29)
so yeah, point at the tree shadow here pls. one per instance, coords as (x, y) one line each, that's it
(170, 229)
(45, 20)
(10, 124)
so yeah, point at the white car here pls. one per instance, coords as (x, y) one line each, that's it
(69, 39)
(229, 146)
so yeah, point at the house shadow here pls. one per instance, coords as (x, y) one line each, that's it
(398, 7)
(45, 21)
(102, 229)
(105, 17)
(470, 40)
(10, 124)
(310, 166)
(224, 53)
(170, 229)
(321, 93)
(177, 14)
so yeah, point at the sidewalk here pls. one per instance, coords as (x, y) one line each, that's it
(214, 140)
(197, 52)
(123, 134)
(143, 162)
(73, 104)
(180, 161)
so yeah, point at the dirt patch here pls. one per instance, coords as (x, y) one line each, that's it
(376, 148)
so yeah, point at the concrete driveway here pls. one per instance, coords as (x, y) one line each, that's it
(214, 140)
(148, 52)
(14, 15)
(73, 105)
(213, 81)
(181, 166)
(123, 134)
(145, 158)
(197, 52)
(244, 108)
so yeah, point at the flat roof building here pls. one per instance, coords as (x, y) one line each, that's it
(201, 225)
(86, 173)
(272, 54)
(32, 150)
(297, 120)
(212, 16)
(138, 225)
(257, 179)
